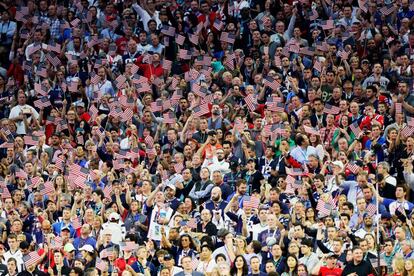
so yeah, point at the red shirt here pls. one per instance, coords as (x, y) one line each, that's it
(325, 271)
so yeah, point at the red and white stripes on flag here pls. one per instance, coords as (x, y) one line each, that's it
(272, 83)
(331, 109)
(251, 202)
(407, 131)
(46, 188)
(317, 66)
(31, 140)
(56, 242)
(354, 168)
(323, 208)
(228, 37)
(354, 127)
(149, 141)
(169, 118)
(201, 110)
(93, 111)
(371, 209)
(101, 265)
(311, 130)
(192, 223)
(128, 246)
(179, 167)
(127, 115)
(398, 108)
(194, 263)
(168, 30)
(31, 259)
(199, 90)
(251, 102)
(77, 223)
(43, 102)
(107, 191)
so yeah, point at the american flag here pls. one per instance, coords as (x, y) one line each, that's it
(118, 164)
(166, 64)
(194, 263)
(4, 191)
(327, 24)
(41, 89)
(35, 181)
(95, 78)
(75, 22)
(317, 65)
(192, 223)
(398, 108)
(307, 51)
(179, 167)
(322, 46)
(116, 112)
(354, 127)
(228, 37)
(120, 81)
(199, 90)
(331, 109)
(21, 173)
(294, 48)
(43, 102)
(79, 171)
(128, 245)
(354, 168)
(294, 171)
(410, 121)
(218, 24)
(107, 191)
(42, 72)
(407, 131)
(387, 10)
(93, 111)
(323, 208)
(101, 265)
(53, 59)
(77, 223)
(62, 125)
(193, 39)
(143, 87)
(31, 259)
(343, 54)
(176, 96)
(169, 118)
(31, 140)
(150, 151)
(311, 130)
(251, 202)
(272, 83)
(251, 102)
(166, 105)
(56, 242)
(54, 47)
(73, 86)
(278, 61)
(46, 188)
(127, 102)
(156, 106)
(168, 30)
(371, 209)
(201, 110)
(149, 141)
(313, 15)
(179, 39)
(127, 115)
(184, 54)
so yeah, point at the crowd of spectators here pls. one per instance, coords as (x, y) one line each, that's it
(211, 137)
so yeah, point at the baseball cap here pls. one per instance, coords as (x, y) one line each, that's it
(87, 248)
(114, 217)
(69, 247)
(339, 164)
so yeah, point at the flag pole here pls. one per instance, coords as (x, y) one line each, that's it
(378, 231)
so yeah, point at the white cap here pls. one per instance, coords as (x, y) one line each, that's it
(88, 248)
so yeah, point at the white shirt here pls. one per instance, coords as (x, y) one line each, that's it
(155, 227)
(15, 112)
(302, 155)
(16, 255)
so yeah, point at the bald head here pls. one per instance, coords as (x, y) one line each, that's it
(216, 194)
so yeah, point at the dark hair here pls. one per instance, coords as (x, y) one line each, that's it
(220, 255)
(245, 268)
(295, 270)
